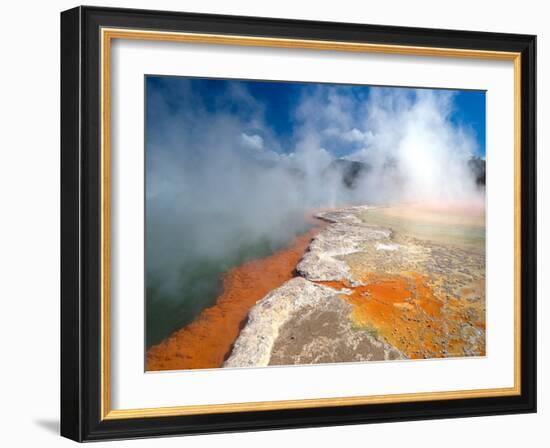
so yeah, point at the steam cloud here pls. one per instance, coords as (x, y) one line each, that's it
(218, 176)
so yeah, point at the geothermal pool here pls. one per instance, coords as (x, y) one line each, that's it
(458, 225)
(419, 293)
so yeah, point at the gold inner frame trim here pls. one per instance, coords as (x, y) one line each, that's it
(107, 35)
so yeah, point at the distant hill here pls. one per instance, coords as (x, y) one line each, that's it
(350, 170)
(477, 166)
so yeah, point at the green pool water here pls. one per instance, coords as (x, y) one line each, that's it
(199, 284)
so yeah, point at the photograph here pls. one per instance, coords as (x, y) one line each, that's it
(294, 223)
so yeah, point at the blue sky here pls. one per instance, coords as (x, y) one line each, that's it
(469, 111)
(279, 106)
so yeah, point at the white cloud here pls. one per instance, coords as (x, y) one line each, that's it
(355, 135)
(253, 141)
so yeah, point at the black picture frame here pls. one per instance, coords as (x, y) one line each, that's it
(81, 224)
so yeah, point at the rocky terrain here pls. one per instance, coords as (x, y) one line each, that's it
(302, 323)
(367, 293)
(346, 235)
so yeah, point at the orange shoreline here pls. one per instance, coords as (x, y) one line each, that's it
(207, 341)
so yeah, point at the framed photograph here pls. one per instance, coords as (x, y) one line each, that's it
(274, 223)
